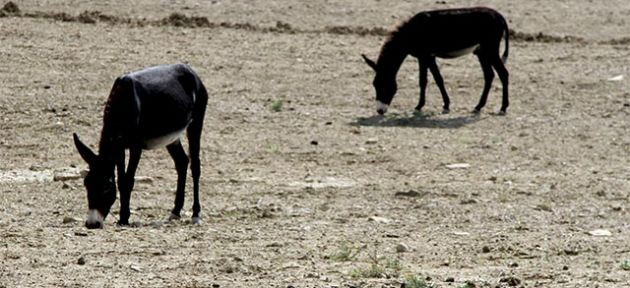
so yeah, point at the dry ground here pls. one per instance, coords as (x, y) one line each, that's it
(279, 210)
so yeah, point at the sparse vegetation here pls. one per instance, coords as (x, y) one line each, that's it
(380, 267)
(467, 285)
(346, 253)
(625, 265)
(276, 106)
(412, 281)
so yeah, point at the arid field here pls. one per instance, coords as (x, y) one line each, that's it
(303, 185)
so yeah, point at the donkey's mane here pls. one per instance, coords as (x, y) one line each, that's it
(391, 43)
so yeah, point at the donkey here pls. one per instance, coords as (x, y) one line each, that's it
(146, 109)
(447, 33)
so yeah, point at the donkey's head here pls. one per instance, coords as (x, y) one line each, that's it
(385, 86)
(99, 183)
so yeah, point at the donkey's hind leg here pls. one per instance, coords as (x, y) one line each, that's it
(488, 76)
(181, 165)
(504, 75)
(194, 143)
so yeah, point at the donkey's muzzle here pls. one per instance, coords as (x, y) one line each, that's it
(381, 107)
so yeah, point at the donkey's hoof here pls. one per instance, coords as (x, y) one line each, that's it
(173, 217)
(446, 111)
(502, 113)
(476, 111)
(196, 220)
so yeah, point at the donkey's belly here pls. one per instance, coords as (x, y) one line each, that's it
(162, 141)
(457, 53)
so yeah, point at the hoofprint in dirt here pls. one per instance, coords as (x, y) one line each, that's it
(320, 193)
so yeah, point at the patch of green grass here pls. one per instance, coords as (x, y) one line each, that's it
(412, 281)
(625, 265)
(346, 253)
(276, 106)
(373, 271)
(380, 267)
(392, 264)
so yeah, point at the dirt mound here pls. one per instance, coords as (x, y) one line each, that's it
(181, 20)
(9, 9)
(545, 38)
(363, 31)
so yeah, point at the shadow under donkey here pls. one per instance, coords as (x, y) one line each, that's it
(418, 120)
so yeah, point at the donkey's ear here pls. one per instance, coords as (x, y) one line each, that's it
(369, 62)
(84, 151)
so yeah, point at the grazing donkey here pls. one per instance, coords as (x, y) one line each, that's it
(446, 34)
(146, 109)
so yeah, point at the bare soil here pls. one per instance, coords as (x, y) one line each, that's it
(302, 184)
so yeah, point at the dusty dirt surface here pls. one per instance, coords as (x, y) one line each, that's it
(302, 184)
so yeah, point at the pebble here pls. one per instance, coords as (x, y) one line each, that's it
(511, 281)
(449, 279)
(135, 268)
(410, 193)
(314, 142)
(144, 179)
(68, 219)
(402, 248)
(379, 219)
(600, 232)
(81, 260)
(485, 249)
(458, 166)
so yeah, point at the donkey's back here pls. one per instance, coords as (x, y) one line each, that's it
(161, 103)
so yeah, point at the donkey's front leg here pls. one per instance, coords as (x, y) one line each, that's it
(181, 165)
(423, 84)
(126, 182)
(440, 83)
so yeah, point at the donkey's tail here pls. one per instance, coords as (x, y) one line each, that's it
(507, 42)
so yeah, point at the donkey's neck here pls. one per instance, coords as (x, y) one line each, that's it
(391, 58)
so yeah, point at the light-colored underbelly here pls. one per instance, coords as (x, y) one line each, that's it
(163, 141)
(457, 53)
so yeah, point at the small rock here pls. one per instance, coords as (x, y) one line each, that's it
(449, 279)
(80, 233)
(67, 175)
(513, 264)
(379, 219)
(314, 142)
(600, 232)
(460, 233)
(81, 260)
(402, 248)
(565, 267)
(615, 78)
(410, 193)
(135, 268)
(371, 141)
(485, 249)
(511, 281)
(458, 166)
(68, 219)
(469, 201)
(144, 179)
(216, 286)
